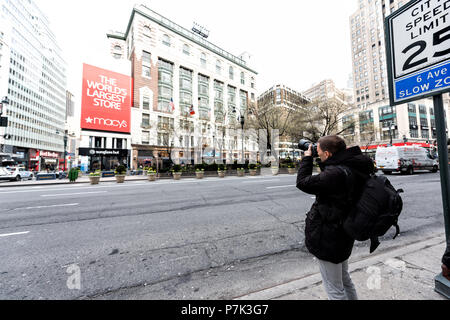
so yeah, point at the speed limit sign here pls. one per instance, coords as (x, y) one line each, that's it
(418, 50)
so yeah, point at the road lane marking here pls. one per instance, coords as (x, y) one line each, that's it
(54, 206)
(13, 234)
(71, 194)
(261, 181)
(279, 187)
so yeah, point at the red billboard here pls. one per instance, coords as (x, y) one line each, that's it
(106, 100)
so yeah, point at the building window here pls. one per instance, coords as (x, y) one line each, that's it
(147, 31)
(231, 73)
(203, 59)
(243, 97)
(186, 50)
(166, 40)
(146, 58)
(146, 103)
(242, 78)
(219, 67)
(145, 137)
(165, 85)
(145, 120)
(146, 71)
(146, 64)
(119, 144)
(186, 88)
(218, 101)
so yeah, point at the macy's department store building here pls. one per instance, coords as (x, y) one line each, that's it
(105, 119)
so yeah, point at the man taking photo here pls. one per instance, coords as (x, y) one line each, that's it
(324, 232)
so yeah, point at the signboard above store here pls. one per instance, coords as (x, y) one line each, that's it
(106, 100)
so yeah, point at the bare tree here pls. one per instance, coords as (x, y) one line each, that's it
(323, 118)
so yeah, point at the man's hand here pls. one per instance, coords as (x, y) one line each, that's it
(309, 152)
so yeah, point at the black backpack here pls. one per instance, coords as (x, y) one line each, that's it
(375, 211)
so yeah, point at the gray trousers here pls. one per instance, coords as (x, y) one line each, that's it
(337, 281)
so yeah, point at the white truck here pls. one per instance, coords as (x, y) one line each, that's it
(405, 159)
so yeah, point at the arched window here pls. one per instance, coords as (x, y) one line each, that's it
(118, 48)
(147, 31)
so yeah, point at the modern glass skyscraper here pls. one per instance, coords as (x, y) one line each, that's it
(36, 86)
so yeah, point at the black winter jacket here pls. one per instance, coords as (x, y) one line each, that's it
(324, 233)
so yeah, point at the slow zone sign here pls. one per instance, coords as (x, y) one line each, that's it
(418, 50)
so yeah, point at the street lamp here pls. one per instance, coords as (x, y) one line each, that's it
(3, 103)
(3, 120)
(390, 130)
(242, 119)
(214, 148)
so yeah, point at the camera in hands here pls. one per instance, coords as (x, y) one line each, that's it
(304, 146)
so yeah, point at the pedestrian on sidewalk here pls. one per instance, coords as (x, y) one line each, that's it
(324, 232)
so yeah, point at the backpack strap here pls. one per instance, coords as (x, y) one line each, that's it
(397, 233)
(348, 183)
(374, 244)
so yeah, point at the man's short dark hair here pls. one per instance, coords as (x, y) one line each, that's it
(332, 144)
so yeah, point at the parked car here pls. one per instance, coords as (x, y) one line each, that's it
(15, 174)
(405, 159)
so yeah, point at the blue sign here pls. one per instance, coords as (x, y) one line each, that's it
(425, 82)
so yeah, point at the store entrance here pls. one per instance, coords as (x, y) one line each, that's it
(106, 163)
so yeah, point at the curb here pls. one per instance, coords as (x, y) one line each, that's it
(315, 279)
(4, 185)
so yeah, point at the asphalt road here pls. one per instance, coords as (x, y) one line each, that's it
(189, 239)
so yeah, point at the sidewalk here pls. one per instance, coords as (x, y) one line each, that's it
(406, 273)
(85, 179)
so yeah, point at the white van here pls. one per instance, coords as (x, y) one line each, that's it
(405, 159)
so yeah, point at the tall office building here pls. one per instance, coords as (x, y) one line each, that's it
(369, 50)
(36, 86)
(376, 122)
(184, 87)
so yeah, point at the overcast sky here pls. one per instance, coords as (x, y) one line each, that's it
(293, 42)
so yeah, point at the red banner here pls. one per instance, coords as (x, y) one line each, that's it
(106, 100)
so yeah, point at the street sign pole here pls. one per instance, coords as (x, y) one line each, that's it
(443, 159)
(442, 285)
(418, 63)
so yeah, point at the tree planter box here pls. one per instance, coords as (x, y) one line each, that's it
(177, 175)
(120, 178)
(292, 170)
(241, 173)
(151, 176)
(94, 180)
(253, 172)
(200, 175)
(221, 174)
(275, 171)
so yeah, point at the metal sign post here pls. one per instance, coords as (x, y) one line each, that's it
(418, 63)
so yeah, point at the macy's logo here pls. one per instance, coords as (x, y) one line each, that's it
(107, 122)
